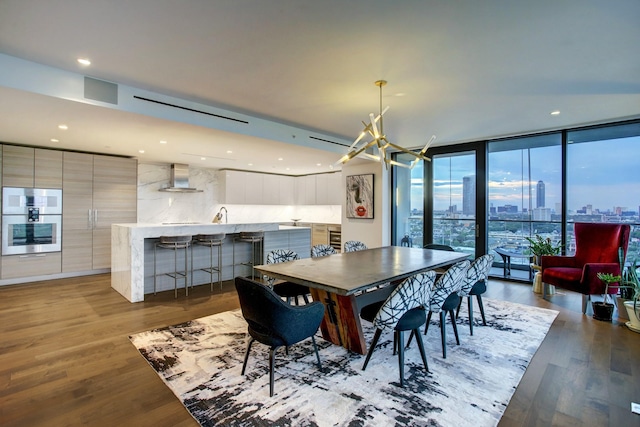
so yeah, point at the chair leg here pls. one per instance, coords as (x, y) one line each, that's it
(398, 335)
(470, 304)
(272, 358)
(376, 337)
(455, 326)
(443, 334)
(305, 298)
(484, 319)
(246, 355)
(421, 348)
(458, 310)
(426, 327)
(410, 338)
(585, 303)
(315, 347)
(395, 343)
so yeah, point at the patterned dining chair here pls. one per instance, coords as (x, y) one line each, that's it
(444, 299)
(290, 291)
(402, 311)
(475, 283)
(322, 250)
(354, 245)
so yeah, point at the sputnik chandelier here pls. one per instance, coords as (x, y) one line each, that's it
(380, 143)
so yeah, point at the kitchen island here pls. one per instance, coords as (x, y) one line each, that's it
(132, 252)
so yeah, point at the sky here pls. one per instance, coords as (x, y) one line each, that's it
(605, 174)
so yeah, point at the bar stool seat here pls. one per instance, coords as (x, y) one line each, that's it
(212, 240)
(255, 238)
(174, 243)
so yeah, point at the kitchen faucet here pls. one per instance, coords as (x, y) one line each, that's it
(218, 216)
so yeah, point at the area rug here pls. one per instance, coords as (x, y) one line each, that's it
(201, 360)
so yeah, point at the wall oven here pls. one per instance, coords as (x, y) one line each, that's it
(31, 220)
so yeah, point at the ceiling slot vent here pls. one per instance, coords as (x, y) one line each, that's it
(330, 142)
(189, 109)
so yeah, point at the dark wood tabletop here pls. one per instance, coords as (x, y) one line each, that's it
(351, 272)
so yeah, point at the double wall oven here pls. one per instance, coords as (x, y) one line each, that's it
(31, 220)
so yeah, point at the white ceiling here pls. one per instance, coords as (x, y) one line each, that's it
(468, 70)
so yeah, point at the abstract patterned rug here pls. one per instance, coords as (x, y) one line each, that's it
(201, 360)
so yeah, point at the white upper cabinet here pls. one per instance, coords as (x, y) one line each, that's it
(249, 188)
(232, 187)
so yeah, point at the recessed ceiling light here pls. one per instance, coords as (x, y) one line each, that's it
(555, 113)
(318, 164)
(203, 158)
(84, 61)
(55, 140)
(163, 142)
(288, 169)
(249, 164)
(63, 127)
(280, 159)
(400, 94)
(141, 151)
(229, 152)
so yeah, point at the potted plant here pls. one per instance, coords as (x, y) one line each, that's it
(630, 295)
(539, 246)
(603, 310)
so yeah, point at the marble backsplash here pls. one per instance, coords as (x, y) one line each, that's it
(155, 206)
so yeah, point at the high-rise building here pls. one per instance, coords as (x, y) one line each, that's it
(469, 195)
(540, 195)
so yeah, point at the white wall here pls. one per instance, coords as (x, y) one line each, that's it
(375, 232)
(156, 207)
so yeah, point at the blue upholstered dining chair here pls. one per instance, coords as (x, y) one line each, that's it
(275, 323)
(402, 311)
(475, 283)
(444, 299)
(290, 291)
(322, 250)
(354, 245)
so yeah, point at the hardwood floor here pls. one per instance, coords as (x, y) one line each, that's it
(65, 358)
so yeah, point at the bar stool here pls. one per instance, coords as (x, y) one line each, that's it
(211, 240)
(255, 238)
(174, 243)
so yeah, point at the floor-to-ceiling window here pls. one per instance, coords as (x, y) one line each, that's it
(408, 227)
(603, 179)
(454, 201)
(535, 184)
(525, 195)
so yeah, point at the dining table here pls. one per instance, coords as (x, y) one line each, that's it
(347, 281)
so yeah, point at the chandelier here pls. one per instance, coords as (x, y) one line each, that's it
(380, 145)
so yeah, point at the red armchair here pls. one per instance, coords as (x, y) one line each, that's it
(596, 251)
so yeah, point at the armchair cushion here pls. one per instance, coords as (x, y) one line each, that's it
(596, 251)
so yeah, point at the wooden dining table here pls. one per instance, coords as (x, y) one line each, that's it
(345, 282)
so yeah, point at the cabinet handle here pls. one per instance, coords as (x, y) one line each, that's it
(95, 218)
(90, 220)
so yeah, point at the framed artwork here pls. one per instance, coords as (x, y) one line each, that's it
(360, 196)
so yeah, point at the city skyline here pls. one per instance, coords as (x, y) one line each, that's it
(589, 182)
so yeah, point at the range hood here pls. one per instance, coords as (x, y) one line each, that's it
(180, 180)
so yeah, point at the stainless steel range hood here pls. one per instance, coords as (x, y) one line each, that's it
(180, 180)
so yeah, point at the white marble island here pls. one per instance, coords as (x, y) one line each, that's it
(132, 251)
